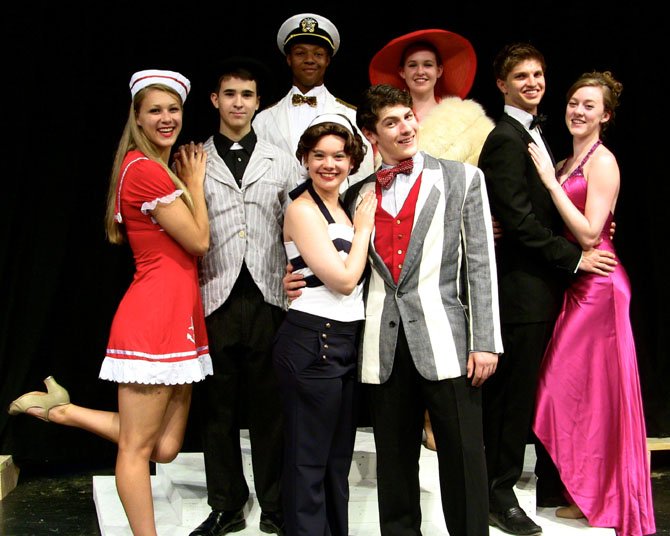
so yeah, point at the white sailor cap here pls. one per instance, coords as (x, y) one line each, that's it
(172, 79)
(340, 119)
(308, 28)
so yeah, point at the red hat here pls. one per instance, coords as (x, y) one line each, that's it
(457, 55)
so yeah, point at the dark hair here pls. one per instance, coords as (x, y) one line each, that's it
(241, 67)
(375, 99)
(513, 54)
(610, 86)
(420, 45)
(353, 143)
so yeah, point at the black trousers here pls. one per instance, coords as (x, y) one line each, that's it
(397, 411)
(509, 404)
(242, 390)
(315, 359)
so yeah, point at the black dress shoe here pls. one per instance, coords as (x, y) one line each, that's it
(514, 521)
(272, 523)
(220, 522)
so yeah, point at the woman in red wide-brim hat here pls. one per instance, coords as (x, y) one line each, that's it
(438, 68)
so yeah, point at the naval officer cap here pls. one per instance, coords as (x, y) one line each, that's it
(308, 28)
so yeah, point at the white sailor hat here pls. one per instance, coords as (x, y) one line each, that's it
(340, 119)
(308, 28)
(172, 79)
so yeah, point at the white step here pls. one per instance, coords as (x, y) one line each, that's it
(180, 497)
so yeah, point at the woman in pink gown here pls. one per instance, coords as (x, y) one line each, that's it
(589, 412)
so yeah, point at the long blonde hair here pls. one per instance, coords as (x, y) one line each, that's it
(133, 137)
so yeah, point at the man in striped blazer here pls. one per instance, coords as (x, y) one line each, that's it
(246, 187)
(432, 330)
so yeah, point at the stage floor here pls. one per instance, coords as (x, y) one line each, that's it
(180, 497)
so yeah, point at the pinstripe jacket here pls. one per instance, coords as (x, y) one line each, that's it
(246, 223)
(446, 296)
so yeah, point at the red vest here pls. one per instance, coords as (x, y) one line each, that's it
(392, 234)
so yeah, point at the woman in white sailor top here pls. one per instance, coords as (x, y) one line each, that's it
(315, 352)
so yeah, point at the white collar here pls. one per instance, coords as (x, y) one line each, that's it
(316, 91)
(522, 116)
(417, 159)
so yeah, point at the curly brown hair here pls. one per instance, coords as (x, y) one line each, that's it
(354, 147)
(375, 99)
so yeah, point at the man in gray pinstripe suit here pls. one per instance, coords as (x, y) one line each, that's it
(246, 188)
(432, 330)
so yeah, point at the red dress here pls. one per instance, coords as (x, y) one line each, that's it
(158, 334)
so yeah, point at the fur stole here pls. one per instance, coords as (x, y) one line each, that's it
(455, 130)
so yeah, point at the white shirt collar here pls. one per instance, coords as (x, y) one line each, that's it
(520, 115)
(316, 91)
(525, 119)
(394, 197)
(417, 167)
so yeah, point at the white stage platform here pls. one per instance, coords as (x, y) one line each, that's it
(180, 497)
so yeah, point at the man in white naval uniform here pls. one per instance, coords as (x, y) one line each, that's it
(308, 41)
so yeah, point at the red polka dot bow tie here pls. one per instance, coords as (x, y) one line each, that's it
(298, 99)
(386, 176)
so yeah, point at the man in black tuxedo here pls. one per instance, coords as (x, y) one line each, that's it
(534, 264)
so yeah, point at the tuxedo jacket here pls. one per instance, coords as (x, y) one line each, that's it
(534, 260)
(246, 223)
(446, 295)
(273, 124)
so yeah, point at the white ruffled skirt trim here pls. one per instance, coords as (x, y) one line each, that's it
(155, 373)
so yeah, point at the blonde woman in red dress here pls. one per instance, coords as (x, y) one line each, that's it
(158, 344)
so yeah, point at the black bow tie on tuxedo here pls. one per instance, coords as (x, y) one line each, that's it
(539, 119)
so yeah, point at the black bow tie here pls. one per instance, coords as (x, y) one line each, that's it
(539, 119)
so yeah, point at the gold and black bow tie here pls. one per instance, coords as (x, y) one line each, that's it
(297, 100)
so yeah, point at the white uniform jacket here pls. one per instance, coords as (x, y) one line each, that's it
(273, 124)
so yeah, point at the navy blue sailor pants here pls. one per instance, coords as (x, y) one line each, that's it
(315, 359)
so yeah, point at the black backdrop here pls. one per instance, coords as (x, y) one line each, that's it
(65, 75)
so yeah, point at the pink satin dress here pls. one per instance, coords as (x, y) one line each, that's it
(589, 412)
